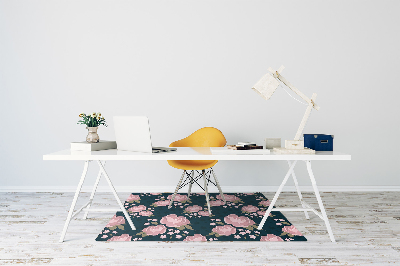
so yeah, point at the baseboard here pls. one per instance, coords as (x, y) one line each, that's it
(229, 189)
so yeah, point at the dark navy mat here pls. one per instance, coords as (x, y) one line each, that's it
(189, 220)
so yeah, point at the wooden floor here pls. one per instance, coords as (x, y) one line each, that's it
(366, 226)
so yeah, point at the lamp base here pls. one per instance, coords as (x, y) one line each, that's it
(293, 151)
(294, 144)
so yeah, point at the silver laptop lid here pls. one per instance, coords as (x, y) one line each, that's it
(132, 133)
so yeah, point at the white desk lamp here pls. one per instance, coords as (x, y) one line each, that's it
(266, 86)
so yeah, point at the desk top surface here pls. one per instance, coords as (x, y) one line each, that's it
(192, 153)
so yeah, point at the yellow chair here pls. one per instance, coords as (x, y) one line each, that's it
(204, 137)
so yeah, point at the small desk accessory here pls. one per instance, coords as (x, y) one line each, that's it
(318, 142)
(266, 86)
(271, 143)
(98, 146)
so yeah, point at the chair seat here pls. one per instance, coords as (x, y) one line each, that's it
(192, 164)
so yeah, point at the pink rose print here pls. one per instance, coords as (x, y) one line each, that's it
(133, 197)
(265, 203)
(172, 220)
(291, 230)
(155, 230)
(178, 197)
(250, 208)
(116, 220)
(216, 203)
(194, 208)
(262, 213)
(271, 237)
(228, 197)
(162, 203)
(238, 221)
(195, 237)
(225, 230)
(124, 237)
(137, 208)
(204, 213)
(145, 213)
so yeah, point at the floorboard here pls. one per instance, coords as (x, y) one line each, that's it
(366, 226)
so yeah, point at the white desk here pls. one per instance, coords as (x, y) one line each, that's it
(194, 154)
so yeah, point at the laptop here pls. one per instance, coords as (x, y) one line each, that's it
(133, 134)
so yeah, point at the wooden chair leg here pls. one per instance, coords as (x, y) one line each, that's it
(206, 191)
(219, 187)
(191, 183)
(176, 190)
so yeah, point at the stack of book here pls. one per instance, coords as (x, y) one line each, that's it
(98, 146)
(245, 146)
(240, 148)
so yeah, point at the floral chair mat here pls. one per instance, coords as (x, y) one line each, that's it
(189, 220)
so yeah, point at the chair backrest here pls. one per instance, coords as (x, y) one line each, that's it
(204, 137)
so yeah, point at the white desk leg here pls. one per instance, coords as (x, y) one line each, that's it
(298, 191)
(321, 205)
(71, 210)
(93, 192)
(260, 226)
(206, 191)
(218, 186)
(128, 218)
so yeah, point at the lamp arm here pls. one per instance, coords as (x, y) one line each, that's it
(293, 88)
(305, 117)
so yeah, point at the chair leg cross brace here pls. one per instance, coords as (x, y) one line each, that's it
(86, 207)
(305, 207)
(206, 175)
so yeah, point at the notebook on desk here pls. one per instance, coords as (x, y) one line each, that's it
(133, 134)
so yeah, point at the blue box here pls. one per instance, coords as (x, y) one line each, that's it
(318, 142)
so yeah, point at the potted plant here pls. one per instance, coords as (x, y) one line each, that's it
(92, 123)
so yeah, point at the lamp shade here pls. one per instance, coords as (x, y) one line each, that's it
(266, 86)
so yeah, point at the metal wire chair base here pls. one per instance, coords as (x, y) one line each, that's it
(191, 178)
(194, 175)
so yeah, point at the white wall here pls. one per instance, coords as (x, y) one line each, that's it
(190, 64)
